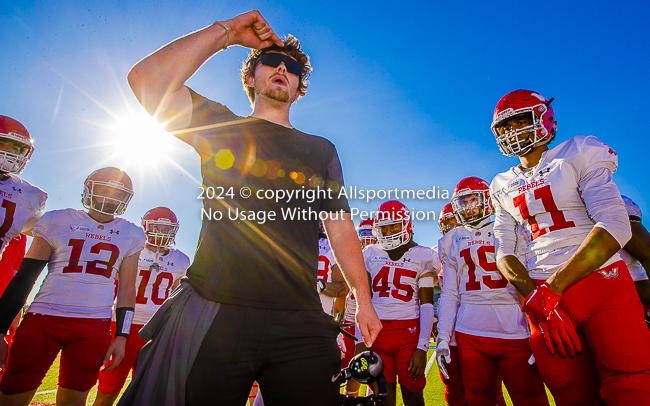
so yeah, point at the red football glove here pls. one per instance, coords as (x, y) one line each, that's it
(540, 303)
(559, 333)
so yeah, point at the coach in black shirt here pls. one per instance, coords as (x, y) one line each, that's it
(269, 325)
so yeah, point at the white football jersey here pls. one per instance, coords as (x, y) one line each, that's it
(20, 203)
(395, 283)
(325, 263)
(476, 299)
(547, 201)
(86, 257)
(154, 285)
(637, 271)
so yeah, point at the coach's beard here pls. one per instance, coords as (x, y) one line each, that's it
(278, 94)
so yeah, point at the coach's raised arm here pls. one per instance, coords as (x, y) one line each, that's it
(158, 80)
(250, 299)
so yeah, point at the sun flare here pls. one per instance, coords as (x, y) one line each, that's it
(138, 140)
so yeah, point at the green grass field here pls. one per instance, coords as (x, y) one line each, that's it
(433, 392)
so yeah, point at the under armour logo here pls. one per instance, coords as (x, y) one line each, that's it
(490, 234)
(170, 263)
(115, 232)
(412, 329)
(17, 190)
(611, 274)
(407, 259)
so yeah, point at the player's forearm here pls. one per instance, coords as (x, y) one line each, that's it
(167, 69)
(335, 289)
(125, 296)
(639, 244)
(17, 291)
(517, 274)
(447, 312)
(126, 286)
(595, 250)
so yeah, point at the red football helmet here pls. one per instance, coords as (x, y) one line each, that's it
(107, 190)
(447, 221)
(160, 226)
(471, 201)
(16, 145)
(364, 229)
(392, 212)
(528, 104)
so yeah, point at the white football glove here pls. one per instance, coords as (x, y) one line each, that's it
(443, 357)
(341, 343)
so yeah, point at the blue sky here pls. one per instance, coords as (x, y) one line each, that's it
(406, 92)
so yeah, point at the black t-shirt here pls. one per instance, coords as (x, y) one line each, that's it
(273, 264)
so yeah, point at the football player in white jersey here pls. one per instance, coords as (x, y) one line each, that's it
(84, 251)
(160, 269)
(479, 305)
(330, 284)
(572, 275)
(403, 274)
(453, 381)
(22, 203)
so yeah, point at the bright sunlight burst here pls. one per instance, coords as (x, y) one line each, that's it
(138, 140)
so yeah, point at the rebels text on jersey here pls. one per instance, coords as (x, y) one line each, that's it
(395, 283)
(154, 285)
(86, 257)
(21, 202)
(476, 299)
(558, 202)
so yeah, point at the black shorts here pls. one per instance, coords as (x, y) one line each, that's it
(292, 354)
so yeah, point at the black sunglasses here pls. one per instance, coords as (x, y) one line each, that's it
(273, 59)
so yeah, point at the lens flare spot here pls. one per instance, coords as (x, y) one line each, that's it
(224, 159)
(259, 168)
